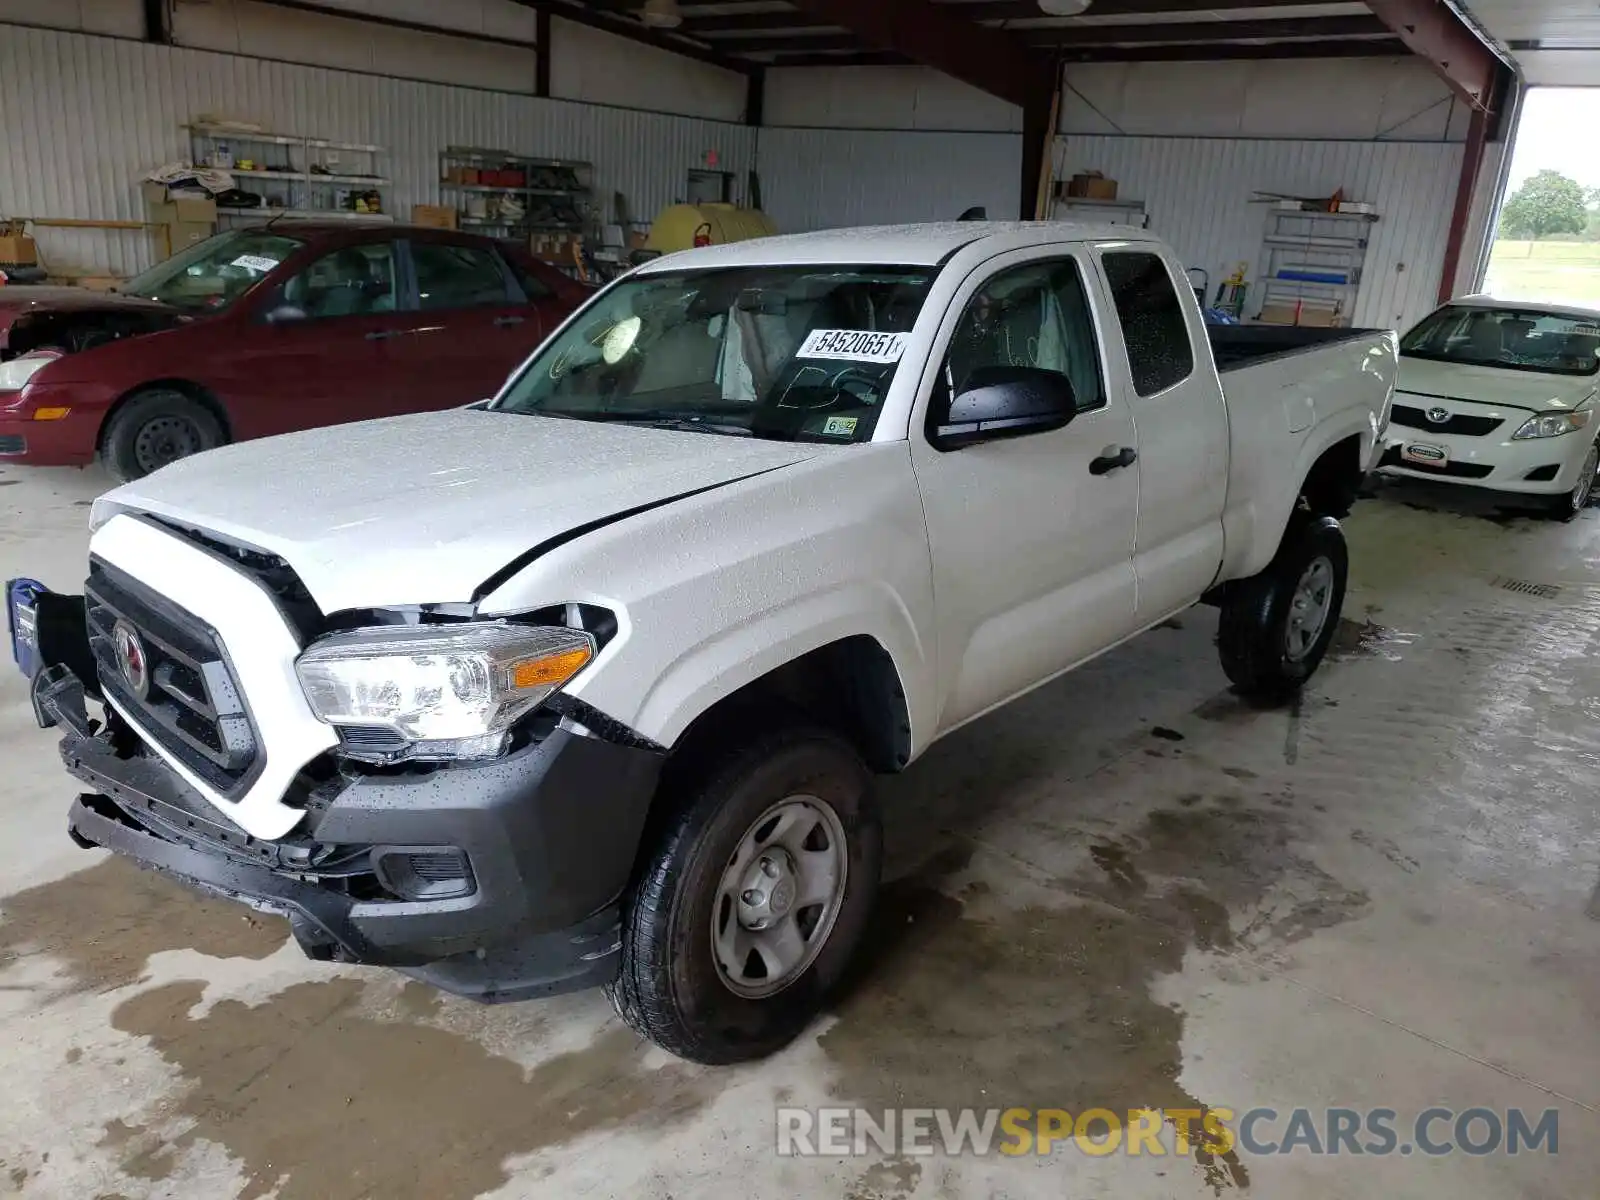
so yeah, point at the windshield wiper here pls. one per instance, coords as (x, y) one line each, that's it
(690, 422)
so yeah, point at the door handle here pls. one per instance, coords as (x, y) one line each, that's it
(503, 322)
(1114, 459)
(382, 335)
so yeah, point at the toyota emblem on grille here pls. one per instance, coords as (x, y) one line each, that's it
(131, 658)
(1438, 416)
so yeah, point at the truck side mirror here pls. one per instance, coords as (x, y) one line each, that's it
(1004, 402)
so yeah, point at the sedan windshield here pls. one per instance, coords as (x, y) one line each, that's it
(787, 353)
(214, 273)
(1517, 339)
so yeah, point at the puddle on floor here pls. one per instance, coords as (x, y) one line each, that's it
(1367, 639)
(317, 1101)
(1055, 1007)
(104, 923)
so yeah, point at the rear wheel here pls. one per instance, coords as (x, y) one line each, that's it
(154, 428)
(753, 901)
(1276, 626)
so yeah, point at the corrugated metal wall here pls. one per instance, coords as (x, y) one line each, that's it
(1197, 191)
(83, 117)
(822, 178)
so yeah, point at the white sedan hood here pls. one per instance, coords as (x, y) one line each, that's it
(423, 509)
(1533, 390)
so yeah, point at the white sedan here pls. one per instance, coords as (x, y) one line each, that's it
(1501, 395)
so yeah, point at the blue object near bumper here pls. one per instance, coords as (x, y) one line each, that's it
(22, 596)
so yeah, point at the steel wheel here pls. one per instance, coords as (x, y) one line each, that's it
(165, 439)
(779, 897)
(1308, 611)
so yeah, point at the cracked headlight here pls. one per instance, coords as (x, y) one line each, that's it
(1552, 425)
(451, 691)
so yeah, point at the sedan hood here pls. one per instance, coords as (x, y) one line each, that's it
(424, 509)
(1500, 386)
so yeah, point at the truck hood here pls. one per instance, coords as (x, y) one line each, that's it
(424, 509)
(1531, 390)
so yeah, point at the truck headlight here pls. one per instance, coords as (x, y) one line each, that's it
(1553, 425)
(453, 691)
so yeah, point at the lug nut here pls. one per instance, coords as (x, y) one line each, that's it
(752, 897)
(769, 868)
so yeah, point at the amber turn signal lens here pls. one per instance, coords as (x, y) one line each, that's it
(549, 671)
(50, 414)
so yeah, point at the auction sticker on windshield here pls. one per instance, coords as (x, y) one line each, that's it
(254, 262)
(854, 345)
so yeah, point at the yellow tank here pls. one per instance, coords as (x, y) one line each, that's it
(678, 226)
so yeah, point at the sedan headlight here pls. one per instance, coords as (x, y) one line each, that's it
(1553, 425)
(451, 691)
(14, 375)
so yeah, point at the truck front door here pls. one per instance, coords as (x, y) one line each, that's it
(1032, 537)
(1176, 400)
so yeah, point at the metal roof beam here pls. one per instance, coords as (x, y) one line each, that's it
(1436, 31)
(937, 36)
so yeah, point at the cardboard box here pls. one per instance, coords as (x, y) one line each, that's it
(433, 216)
(1305, 315)
(184, 234)
(168, 208)
(1092, 185)
(18, 250)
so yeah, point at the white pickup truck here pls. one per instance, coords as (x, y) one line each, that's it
(586, 684)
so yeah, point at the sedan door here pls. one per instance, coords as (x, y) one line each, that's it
(314, 350)
(1032, 537)
(473, 325)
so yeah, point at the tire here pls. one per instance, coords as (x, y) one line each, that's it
(671, 987)
(156, 427)
(1568, 505)
(1259, 613)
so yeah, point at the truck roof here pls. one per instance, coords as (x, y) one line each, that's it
(908, 245)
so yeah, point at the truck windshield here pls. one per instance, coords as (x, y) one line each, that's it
(212, 274)
(1517, 339)
(803, 353)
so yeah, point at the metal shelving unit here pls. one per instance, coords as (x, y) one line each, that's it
(1113, 212)
(1312, 266)
(305, 168)
(526, 196)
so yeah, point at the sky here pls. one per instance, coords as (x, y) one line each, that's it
(1555, 135)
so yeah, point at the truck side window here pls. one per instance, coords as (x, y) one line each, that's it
(1153, 328)
(1031, 316)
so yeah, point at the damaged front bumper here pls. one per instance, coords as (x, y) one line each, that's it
(498, 881)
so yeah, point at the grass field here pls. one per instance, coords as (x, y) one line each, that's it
(1566, 272)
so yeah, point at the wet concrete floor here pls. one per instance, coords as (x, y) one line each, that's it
(1128, 891)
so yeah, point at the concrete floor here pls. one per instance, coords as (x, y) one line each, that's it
(1127, 890)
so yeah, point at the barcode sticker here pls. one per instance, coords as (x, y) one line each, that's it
(854, 345)
(254, 262)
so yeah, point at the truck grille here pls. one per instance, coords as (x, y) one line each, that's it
(1467, 426)
(167, 670)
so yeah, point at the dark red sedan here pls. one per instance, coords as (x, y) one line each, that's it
(264, 330)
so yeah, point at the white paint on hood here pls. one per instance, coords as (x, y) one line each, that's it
(422, 509)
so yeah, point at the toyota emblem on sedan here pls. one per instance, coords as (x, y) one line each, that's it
(1438, 416)
(131, 658)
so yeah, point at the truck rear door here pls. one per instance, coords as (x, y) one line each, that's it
(1032, 537)
(1163, 372)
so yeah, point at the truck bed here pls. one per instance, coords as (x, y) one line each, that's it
(1235, 346)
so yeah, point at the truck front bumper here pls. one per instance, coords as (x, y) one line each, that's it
(527, 855)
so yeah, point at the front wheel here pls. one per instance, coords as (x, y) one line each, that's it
(1568, 505)
(754, 900)
(156, 427)
(1276, 626)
